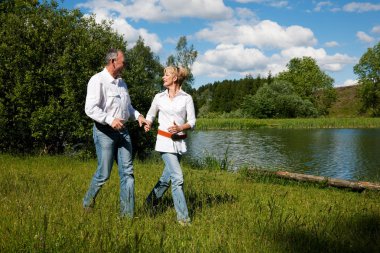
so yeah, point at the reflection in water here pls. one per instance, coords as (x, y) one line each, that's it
(339, 153)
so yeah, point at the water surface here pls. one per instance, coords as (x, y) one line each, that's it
(352, 154)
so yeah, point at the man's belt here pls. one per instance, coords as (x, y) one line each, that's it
(174, 137)
(102, 127)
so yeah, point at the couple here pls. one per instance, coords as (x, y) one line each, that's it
(109, 105)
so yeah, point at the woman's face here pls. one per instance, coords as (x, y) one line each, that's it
(169, 78)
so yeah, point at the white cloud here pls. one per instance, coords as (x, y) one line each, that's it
(129, 33)
(320, 5)
(376, 29)
(214, 9)
(228, 60)
(273, 3)
(265, 34)
(364, 37)
(162, 10)
(152, 10)
(331, 44)
(279, 4)
(361, 7)
(333, 63)
(350, 82)
(251, 1)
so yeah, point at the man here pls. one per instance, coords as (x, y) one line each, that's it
(108, 103)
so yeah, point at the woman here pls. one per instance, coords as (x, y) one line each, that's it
(176, 114)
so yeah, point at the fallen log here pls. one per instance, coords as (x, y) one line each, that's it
(335, 182)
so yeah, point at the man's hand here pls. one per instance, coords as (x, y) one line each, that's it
(141, 120)
(118, 124)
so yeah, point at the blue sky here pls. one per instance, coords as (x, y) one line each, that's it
(239, 37)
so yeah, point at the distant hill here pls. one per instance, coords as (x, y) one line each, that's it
(347, 103)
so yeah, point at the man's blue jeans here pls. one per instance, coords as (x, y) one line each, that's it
(113, 145)
(173, 172)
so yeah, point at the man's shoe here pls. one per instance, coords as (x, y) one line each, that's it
(184, 223)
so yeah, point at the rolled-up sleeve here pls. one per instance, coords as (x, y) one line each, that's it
(151, 115)
(190, 111)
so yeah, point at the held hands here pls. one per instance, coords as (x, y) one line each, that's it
(118, 124)
(142, 121)
(147, 125)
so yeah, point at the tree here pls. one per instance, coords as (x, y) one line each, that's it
(310, 82)
(277, 100)
(47, 56)
(185, 57)
(368, 70)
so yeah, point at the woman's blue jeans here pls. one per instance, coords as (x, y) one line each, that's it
(173, 172)
(113, 145)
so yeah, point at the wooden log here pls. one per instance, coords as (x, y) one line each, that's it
(340, 183)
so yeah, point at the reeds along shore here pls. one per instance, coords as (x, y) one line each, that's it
(246, 124)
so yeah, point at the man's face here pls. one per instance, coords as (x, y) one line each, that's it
(119, 63)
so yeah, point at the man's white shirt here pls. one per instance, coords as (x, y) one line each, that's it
(108, 98)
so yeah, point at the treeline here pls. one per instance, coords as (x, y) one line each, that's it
(226, 96)
(303, 90)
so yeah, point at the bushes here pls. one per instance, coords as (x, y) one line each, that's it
(277, 100)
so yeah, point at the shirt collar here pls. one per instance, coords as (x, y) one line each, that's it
(166, 92)
(108, 77)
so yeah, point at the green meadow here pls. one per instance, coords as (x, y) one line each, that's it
(41, 211)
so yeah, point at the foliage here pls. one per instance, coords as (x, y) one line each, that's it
(47, 56)
(368, 70)
(277, 100)
(310, 83)
(185, 57)
(347, 103)
(225, 96)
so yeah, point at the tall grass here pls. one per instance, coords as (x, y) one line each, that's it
(40, 211)
(246, 124)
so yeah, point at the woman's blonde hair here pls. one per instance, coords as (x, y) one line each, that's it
(181, 73)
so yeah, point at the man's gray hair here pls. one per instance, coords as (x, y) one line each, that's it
(111, 54)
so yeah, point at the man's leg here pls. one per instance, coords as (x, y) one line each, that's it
(127, 180)
(104, 145)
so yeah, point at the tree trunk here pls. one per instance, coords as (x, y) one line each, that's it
(340, 183)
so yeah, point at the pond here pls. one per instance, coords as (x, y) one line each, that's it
(352, 154)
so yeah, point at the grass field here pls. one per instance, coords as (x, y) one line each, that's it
(347, 103)
(41, 211)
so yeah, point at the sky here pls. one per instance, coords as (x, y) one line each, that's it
(236, 38)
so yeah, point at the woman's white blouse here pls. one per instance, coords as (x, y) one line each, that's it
(180, 110)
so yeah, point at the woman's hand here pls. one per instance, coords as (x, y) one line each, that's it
(147, 125)
(175, 128)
